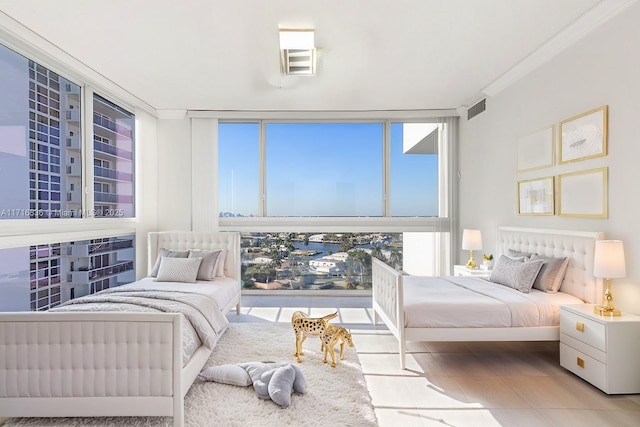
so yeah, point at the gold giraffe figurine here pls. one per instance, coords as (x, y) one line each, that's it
(330, 337)
(304, 326)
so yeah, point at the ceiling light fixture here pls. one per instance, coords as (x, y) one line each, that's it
(297, 52)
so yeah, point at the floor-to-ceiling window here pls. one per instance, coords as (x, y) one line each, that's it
(314, 200)
(49, 187)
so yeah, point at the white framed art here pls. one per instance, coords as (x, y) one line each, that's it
(535, 151)
(536, 196)
(583, 194)
(584, 136)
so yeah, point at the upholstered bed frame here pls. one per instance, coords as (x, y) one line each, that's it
(68, 364)
(578, 281)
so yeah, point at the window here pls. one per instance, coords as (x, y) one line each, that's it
(315, 261)
(414, 163)
(38, 107)
(380, 185)
(113, 152)
(238, 169)
(324, 169)
(40, 277)
(32, 99)
(331, 169)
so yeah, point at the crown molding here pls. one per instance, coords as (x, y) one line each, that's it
(588, 22)
(171, 114)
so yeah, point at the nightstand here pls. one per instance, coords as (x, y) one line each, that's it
(602, 350)
(462, 270)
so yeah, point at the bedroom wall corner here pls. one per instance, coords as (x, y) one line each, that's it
(597, 70)
(146, 185)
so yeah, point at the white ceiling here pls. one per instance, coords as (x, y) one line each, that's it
(375, 54)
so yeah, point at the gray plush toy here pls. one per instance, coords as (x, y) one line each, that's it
(275, 381)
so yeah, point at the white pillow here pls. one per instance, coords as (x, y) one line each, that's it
(178, 270)
(162, 252)
(220, 263)
(207, 270)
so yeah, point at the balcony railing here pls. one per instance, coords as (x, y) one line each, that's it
(101, 273)
(112, 198)
(96, 248)
(85, 276)
(112, 126)
(112, 174)
(110, 149)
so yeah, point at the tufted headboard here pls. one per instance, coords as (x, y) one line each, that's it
(578, 246)
(183, 240)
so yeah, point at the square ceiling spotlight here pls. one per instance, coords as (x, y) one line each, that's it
(297, 52)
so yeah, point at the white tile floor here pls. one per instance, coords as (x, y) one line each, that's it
(458, 384)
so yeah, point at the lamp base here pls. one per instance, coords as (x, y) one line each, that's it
(471, 264)
(606, 311)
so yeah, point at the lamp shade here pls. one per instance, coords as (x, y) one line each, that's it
(471, 239)
(609, 259)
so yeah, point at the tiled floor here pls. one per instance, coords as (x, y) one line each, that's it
(458, 384)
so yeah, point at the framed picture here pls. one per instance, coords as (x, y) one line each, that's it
(583, 194)
(536, 196)
(584, 136)
(535, 151)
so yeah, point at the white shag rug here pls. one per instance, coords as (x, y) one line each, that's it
(335, 396)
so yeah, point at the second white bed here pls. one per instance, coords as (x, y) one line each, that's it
(472, 302)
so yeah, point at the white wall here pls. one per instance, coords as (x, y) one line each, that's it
(601, 69)
(174, 174)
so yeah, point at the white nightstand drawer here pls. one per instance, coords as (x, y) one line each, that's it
(584, 366)
(586, 349)
(583, 329)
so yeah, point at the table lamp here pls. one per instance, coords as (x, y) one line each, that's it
(608, 264)
(471, 240)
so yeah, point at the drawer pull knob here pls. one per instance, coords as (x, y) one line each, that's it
(580, 362)
(580, 326)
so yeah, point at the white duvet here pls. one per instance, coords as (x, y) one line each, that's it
(471, 302)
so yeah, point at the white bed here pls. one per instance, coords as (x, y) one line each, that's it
(418, 308)
(87, 363)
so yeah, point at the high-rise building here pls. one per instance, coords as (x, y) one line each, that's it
(41, 155)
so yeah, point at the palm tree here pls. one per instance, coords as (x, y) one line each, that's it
(376, 252)
(395, 258)
(357, 262)
(346, 244)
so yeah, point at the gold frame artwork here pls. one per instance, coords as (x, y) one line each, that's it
(536, 196)
(536, 150)
(583, 136)
(583, 194)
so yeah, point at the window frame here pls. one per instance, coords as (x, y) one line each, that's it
(385, 223)
(46, 226)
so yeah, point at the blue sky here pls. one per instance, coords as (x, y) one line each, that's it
(323, 169)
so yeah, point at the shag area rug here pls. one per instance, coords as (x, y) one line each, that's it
(335, 396)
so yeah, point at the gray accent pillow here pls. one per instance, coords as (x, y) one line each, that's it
(178, 270)
(280, 385)
(520, 256)
(552, 273)
(208, 264)
(516, 274)
(227, 374)
(162, 252)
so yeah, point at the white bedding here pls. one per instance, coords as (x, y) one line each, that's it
(221, 291)
(471, 302)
